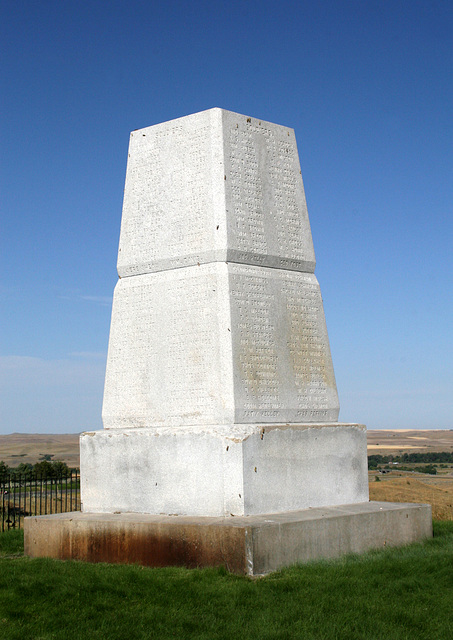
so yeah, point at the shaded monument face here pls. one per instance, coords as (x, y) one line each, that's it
(217, 317)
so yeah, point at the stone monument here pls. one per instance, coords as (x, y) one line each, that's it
(220, 405)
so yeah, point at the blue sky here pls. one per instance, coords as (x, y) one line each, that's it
(367, 86)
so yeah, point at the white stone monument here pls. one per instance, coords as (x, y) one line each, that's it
(220, 397)
(220, 394)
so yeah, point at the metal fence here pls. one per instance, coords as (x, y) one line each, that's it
(30, 495)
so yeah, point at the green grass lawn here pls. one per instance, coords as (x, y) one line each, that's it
(396, 593)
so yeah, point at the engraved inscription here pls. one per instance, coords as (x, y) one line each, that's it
(200, 189)
(167, 200)
(308, 348)
(167, 359)
(163, 360)
(258, 355)
(268, 203)
(282, 351)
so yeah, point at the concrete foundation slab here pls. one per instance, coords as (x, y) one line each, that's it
(252, 545)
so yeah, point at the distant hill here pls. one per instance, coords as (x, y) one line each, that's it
(30, 447)
(410, 441)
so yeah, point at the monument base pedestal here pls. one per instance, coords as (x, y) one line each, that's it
(251, 545)
(223, 470)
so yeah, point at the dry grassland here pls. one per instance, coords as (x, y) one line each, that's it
(29, 447)
(400, 441)
(400, 486)
(438, 492)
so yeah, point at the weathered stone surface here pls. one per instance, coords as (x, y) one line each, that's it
(218, 344)
(254, 545)
(217, 318)
(214, 186)
(221, 471)
(220, 399)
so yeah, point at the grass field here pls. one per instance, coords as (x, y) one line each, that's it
(434, 490)
(394, 594)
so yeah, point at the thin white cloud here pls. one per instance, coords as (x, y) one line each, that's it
(105, 301)
(91, 355)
